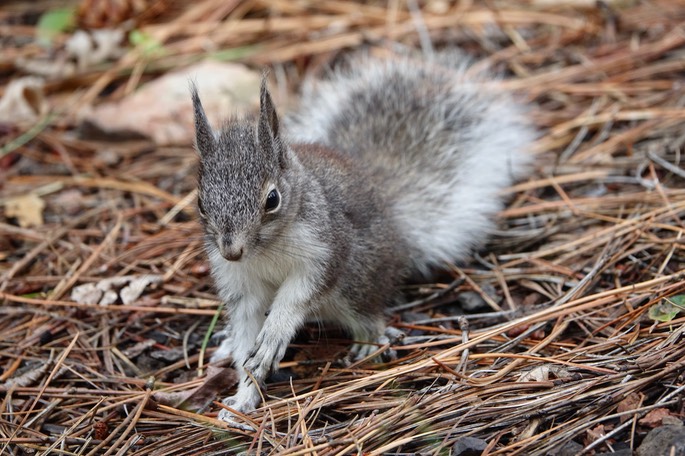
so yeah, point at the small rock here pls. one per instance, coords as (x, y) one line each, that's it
(469, 446)
(171, 355)
(570, 448)
(413, 317)
(471, 301)
(666, 440)
(621, 452)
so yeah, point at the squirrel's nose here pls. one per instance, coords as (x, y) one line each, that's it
(232, 255)
(229, 249)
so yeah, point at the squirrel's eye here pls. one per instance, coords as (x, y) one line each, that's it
(273, 200)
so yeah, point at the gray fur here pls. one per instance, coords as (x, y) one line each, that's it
(390, 167)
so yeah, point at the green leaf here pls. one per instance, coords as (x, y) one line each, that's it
(664, 311)
(147, 45)
(54, 22)
(678, 301)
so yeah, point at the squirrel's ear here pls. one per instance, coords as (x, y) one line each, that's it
(268, 128)
(268, 119)
(204, 136)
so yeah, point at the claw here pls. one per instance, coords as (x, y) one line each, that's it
(240, 405)
(395, 335)
(359, 351)
(244, 401)
(229, 418)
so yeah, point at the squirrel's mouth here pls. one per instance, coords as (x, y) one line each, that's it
(230, 248)
(231, 253)
(232, 256)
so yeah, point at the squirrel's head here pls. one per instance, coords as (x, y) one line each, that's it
(243, 193)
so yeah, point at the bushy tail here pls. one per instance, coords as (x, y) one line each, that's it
(443, 143)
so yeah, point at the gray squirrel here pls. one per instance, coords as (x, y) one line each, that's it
(391, 167)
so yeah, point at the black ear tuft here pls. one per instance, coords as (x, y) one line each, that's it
(268, 119)
(268, 128)
(204, 136)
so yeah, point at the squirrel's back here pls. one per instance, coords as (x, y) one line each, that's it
(441, 144)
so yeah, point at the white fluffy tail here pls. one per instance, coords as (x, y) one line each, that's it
(444, 143)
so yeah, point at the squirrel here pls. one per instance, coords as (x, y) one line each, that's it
(391, 167)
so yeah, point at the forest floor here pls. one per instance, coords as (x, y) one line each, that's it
(564, 335)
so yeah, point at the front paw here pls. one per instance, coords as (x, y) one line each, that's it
(265, 357)
(244, 401)
(233, 421)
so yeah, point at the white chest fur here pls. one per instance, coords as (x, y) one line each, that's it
(259, 276)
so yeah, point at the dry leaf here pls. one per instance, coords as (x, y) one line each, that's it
(595, 433)
(162, 110)
(104, 292)
(544, 373)
(95, 46)
(655, 418)
(88, 293)
(217, 382)
(631, 402)
(170, 355)
(135, 350)
(23, 101)
(172, 398)
(518, 330)
(27, 209)
(135, 288)
(30, 377)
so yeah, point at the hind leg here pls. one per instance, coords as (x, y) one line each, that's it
(371, 337)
